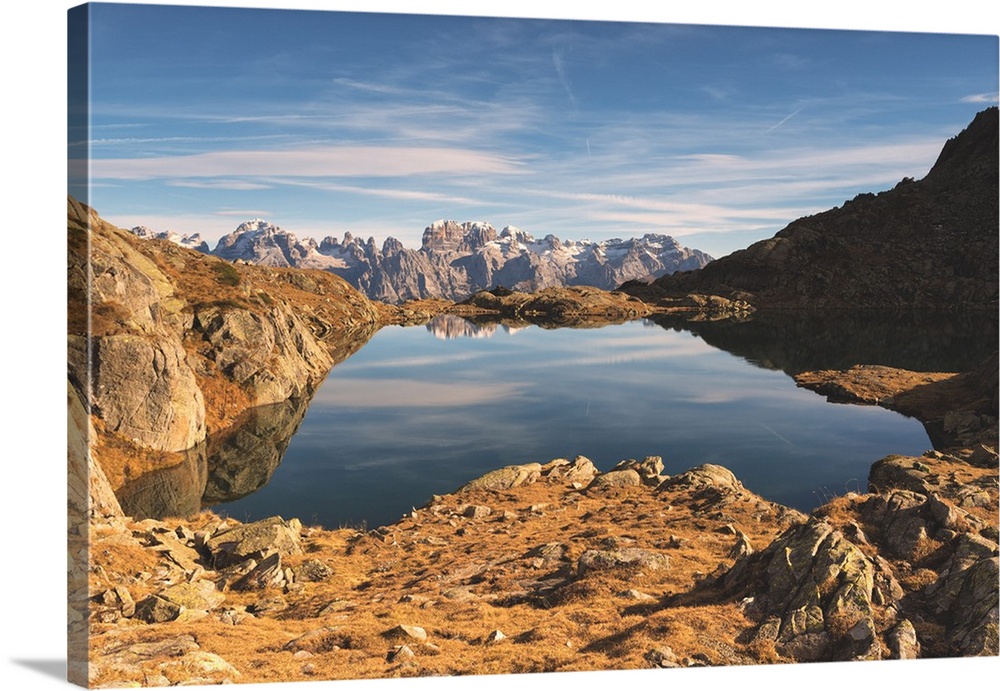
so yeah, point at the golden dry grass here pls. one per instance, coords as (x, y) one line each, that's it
(553, 619)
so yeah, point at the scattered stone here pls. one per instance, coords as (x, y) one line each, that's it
(494, 636)
(742, 548)
(302, 655)
(649, 470)
(812, 577)
(578, 472)
(319, 640)
(198, 667)
(336, 606)
(903, 643)
(406, 631)
(234, 616)
(174, 549)
(616, 478)
(629, 558)
(266, 574)
(313, 570)
(634, 594)
(984, 456)
(476, 511)
(549, 552)
(200, 595)
(268, 605)
(459, 594)
(255, 541)
(707, 475)
(663, 657)
(402, 652)
(156, 610)
(119, 598)
(863, 641)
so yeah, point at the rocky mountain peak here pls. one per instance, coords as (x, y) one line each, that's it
(258, 226)
(451, 236)
(973, 149)
(457, 259)
(193, 241)
(516, 235)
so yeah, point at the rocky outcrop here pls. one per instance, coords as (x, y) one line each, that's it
(169, 324)
(930, 243)
(812, 588)
(145, 390)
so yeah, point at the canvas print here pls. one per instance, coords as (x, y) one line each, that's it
(407, 345)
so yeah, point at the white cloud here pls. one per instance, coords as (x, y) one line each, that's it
(218, 184)
(386, 192)
(981, 98)
(320, 161)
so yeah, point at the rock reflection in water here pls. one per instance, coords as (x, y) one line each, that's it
(231, 464)
(242, 458)
(795, 342)
(171, 491)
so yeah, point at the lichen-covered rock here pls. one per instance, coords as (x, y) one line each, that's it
(580, 470)
(628, 558)
(707, 475)
(197, 595)
(505, 478)
(966, 595)
(255, 541)
(649, 469)
(903, 643)
(407, 631)
(155, 610)
(616, 478)
(815, 582)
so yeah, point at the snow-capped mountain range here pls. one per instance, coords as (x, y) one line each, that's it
(192, 241)
(455, 259)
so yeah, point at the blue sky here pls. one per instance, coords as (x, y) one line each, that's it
(324, 122)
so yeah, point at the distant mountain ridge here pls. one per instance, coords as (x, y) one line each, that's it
(927, 244)
(455, 259)
(193, 242)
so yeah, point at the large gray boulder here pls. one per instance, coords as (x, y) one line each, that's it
(145, 391)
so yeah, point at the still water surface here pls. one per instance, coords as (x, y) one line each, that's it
(421, 410)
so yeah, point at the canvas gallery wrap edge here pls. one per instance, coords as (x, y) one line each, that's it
(408, 346)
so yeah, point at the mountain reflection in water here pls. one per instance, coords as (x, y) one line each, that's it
(409, 416)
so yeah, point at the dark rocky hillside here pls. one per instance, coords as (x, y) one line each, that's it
(929, 243)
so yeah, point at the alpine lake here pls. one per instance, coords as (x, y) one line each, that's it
(421, 410)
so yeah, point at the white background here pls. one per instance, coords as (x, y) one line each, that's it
(32, 111)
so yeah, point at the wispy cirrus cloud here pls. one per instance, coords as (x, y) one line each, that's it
(991, 97)
(384, 192)
(234, 185)
(321, 161)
